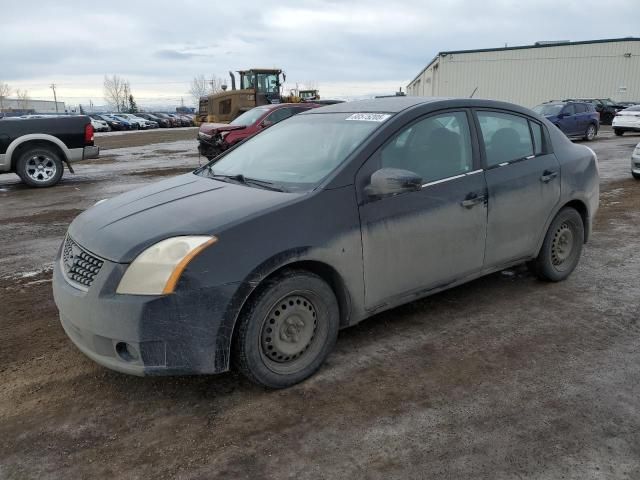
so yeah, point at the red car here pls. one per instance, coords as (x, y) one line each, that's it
(215, 138)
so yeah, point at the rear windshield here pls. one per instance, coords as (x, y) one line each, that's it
(250, 117)
(548, 108)
(297, 153)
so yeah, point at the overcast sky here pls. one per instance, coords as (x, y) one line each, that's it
(348, 48)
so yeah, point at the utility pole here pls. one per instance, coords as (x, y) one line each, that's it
(55, 98)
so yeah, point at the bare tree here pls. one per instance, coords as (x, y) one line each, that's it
(201, 86)
(215, 84)
(5, 90)
(23, 98)
(115, 92)
(198, 88)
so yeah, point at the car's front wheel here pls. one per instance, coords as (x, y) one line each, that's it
(287, 330)
(636, 175)
(591, 132)
(618, 132)
(561, 248)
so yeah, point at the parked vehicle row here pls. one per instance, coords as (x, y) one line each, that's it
(105, 122)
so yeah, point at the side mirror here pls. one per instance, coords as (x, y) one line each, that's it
(266, 123)
(392, 181)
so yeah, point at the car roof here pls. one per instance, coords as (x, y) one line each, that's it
(400, 103)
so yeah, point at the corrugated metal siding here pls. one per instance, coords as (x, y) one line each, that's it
(531, 76)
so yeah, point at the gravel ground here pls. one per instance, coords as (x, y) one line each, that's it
(505, 377)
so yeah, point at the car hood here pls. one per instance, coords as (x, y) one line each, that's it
(122, 227)
(212, 128)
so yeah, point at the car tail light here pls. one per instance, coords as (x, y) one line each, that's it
(88, 133)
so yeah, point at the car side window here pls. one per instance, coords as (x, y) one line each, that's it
(536, 131)
(279, 115)
(297, 110)
(506, 137)
(435, 148)
(580, 107)
(569, 109)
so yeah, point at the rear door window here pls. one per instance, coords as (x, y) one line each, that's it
(506, 137)
(580, 107)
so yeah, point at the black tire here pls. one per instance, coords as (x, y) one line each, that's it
(277, 348)
(39, 166)
(561, 248)
(591, 132)
(636, 175)
(618, 132)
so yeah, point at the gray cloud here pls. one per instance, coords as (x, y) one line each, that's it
(160, 45)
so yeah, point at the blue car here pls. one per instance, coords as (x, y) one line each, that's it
(574, 119)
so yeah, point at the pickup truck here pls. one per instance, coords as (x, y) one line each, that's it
(36, 148)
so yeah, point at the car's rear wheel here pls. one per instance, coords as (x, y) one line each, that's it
(39, 166)
(636, 175)
(618, 132)
(561, 248)
(591, 132)
(287, 330)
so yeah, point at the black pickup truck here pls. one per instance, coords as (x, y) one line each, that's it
(36, 148)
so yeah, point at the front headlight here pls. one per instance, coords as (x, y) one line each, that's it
(156, 271)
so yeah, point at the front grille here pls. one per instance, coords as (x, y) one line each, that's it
(80, 267)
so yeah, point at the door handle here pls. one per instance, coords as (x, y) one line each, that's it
(547, 176)
(472, 200)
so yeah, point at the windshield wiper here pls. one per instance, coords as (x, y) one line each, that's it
(240, 178)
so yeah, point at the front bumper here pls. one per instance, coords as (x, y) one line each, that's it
(209, 148)
(635, 163)
(172, 334)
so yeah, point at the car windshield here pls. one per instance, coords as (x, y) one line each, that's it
(635, 108)
(250, 117)
(548, 108)
(298, 153)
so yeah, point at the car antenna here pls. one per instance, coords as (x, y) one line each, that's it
(474, 92)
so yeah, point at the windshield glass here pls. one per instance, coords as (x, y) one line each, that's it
(548, 108)
(297, 153)
(250, 117)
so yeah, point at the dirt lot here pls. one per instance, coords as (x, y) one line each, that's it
(505, 377)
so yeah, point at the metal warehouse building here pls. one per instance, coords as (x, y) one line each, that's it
(36, 106)
(529, 75)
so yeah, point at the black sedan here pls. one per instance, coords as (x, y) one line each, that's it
(260, 257)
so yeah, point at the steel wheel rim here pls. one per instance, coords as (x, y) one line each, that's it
(289, 329)
(41, 168)
(562, 247)
(311, 337)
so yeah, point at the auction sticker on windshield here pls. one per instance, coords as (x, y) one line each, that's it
(369, 117)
